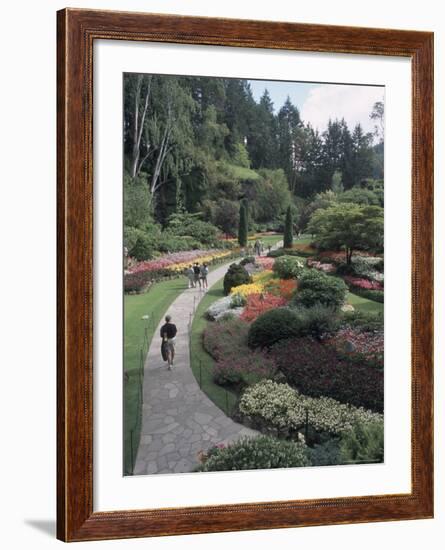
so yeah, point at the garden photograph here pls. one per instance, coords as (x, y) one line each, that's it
(253, 274)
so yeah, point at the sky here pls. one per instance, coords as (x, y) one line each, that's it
(319, 102)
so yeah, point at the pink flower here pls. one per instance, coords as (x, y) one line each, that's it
(363, 283)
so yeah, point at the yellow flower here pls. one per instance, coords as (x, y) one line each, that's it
(263, 277)
(245, 290)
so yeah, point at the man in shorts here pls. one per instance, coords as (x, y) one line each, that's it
(168, 334)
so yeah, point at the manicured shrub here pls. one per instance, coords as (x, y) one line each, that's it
(317, 369)
(317, 321)
(289, 267)
(363, 444)
(315, 287)
(326, 454)
(243, 370)
(236, 275)
(255, 453)
(247, 260)
(363, 321)
(295, 251)
(273, 326)
(141, 280)
(143, 249)
(288, 229)
(282, 407)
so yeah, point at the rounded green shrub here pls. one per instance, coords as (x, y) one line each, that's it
(272, 326)
(143, 249)
(289, 267)
(236, 275)
(364, 443)
(318, 320)
(253, 453)
(315, 287)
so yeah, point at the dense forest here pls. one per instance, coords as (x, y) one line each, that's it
(195, 148)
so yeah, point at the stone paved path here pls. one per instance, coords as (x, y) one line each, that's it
(178, 419)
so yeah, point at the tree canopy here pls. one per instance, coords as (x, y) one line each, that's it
(348, 225)
(201, 145)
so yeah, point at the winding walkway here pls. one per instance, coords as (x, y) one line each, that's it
(178, 419)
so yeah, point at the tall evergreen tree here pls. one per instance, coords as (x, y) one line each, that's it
(243, 229)
(363, 154)
(290, 138)
(288, 236)
(262, 142)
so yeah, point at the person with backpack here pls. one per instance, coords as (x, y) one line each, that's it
(168, 335)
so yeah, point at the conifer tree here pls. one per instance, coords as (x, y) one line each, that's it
(288, 230)
(242, 229)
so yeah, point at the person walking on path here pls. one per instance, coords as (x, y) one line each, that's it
(257, 247)
(197, 271)
(190, 274)
(168, 334)
(203, 275)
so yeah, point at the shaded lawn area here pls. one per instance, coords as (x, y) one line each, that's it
(200, 361)
(271, 239)
(363, 304)
(303, 239)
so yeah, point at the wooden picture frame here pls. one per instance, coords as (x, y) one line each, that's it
(77, 31)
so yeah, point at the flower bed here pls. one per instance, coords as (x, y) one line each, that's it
(327, 268)
(282, 287)
(265, 262)
(226, 342)
(252, 453)
(318, 369)
(247, 289)
(256, 304)
(366, 344)
(362, 283)
(178, 261)
(139, 276)
(284, 408)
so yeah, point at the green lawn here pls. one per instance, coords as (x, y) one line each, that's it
(303, 239)
(363, 304)
(271, 239)
(200, 361)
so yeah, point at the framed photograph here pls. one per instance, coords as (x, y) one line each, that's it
(245, 231)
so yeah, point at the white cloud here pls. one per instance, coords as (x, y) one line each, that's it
(331, 101)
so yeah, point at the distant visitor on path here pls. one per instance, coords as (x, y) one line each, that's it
(257, 248)
(168, 334)
(204, 271)
(197, 271)
(190, 274)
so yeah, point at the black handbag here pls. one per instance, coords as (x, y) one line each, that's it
(164, 350)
